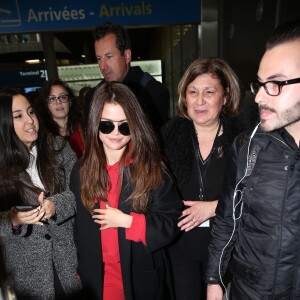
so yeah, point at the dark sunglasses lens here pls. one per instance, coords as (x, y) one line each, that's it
(124, 129)
(106, 127)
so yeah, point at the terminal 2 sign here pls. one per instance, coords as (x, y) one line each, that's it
(50, 15)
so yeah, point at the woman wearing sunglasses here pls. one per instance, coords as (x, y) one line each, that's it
(122, 188)
(60, 113)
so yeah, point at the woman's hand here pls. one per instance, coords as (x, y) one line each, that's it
(111, 218)
(197, 213)
(214, 292)
(33, 216)
(47, 207)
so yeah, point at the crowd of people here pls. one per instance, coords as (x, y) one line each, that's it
(103, 196)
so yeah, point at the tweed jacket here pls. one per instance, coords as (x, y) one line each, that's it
(31, 254)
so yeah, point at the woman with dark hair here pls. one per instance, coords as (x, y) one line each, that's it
(202, 134)
(129, 196)
(36, 206)
(60, 113)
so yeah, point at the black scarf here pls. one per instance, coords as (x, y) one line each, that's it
(178, 135)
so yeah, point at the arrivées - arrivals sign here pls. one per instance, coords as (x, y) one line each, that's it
(48, 15)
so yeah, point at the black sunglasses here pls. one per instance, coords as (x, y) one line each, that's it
(107, 127)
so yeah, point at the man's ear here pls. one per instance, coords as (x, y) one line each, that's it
(127, 54)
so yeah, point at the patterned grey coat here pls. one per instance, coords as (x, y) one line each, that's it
(31, 254)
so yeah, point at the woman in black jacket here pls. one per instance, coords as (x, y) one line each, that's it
(195, 144)
(122, 188)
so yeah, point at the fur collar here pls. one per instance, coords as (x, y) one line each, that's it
(178, 135)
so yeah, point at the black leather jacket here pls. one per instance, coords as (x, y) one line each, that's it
(264, 252)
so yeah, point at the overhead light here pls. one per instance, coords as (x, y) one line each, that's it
(32, 61)
(83, 55)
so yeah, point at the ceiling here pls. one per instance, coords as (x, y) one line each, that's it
(70, 46)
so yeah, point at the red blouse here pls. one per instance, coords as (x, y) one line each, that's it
(109, 237)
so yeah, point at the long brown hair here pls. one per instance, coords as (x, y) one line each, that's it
(15, 158)
(74, 116)
(144, 173)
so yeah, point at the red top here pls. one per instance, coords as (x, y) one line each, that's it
(109, 237)
(76, 141)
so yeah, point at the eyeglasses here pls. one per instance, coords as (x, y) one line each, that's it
(272, 88)
(107, 127)
(61, 98)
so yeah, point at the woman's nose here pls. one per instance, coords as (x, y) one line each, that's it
(29, 119)
(200, 99)
(116, 130)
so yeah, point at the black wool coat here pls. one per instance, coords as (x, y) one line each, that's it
(145, 269)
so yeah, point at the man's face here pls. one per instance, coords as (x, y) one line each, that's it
(113, 65)
(279, 64)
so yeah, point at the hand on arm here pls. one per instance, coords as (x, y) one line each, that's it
(47, 207)
(214, 292)
(111, 218)
(196, 213)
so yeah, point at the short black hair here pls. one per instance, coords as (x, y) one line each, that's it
(122, 38)
(286, 32)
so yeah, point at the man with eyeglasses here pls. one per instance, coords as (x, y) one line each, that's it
(256, 234)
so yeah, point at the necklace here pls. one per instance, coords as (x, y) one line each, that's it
(203, 165)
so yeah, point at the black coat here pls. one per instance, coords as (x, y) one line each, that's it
(152, 95)
(145, 269)
(179, 133)
(264, 249)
